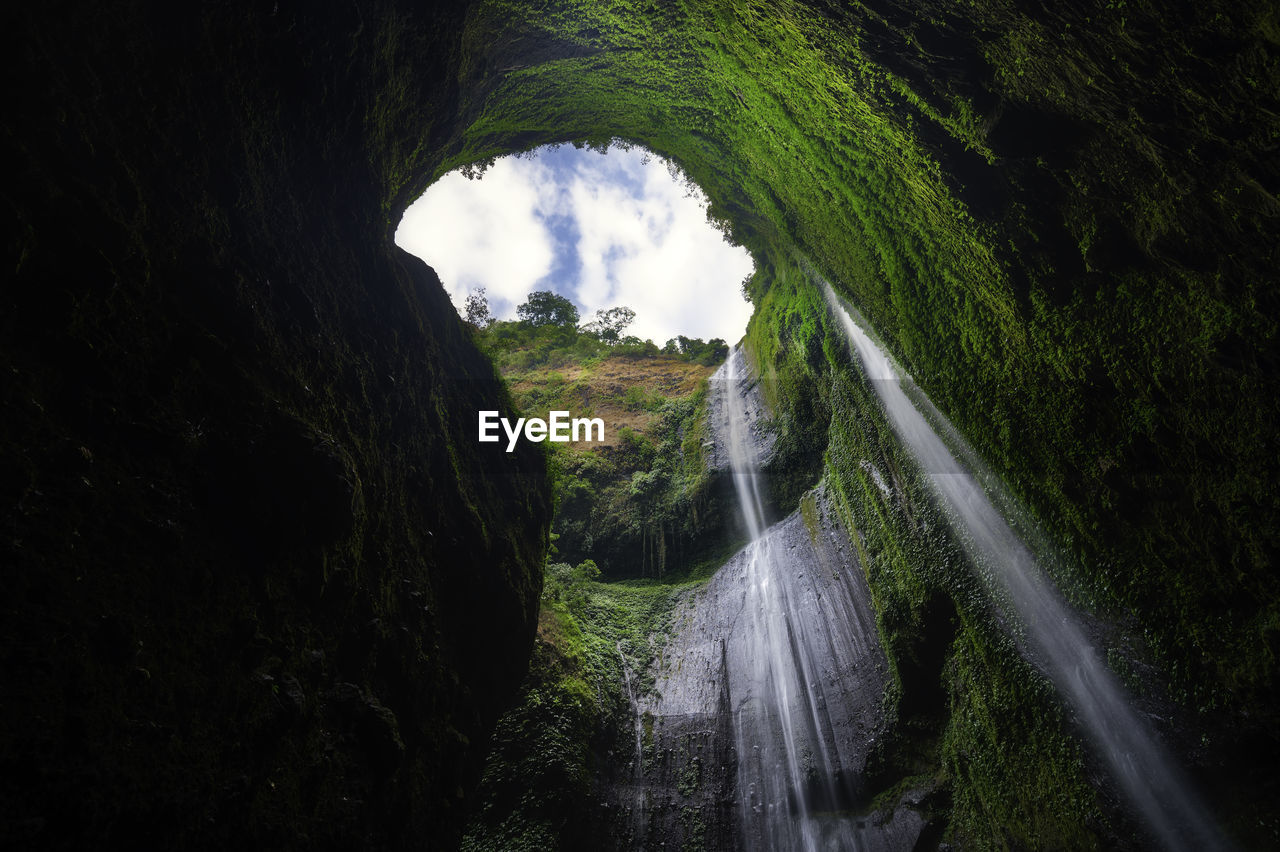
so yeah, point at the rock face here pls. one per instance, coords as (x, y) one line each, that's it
(770, 691)
(261, 586)
(255, 590)
(763, 439)
(1062, 222)
(709, 756)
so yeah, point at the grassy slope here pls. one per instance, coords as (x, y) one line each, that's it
(638, 505)
(1062, 223)
(641, 502)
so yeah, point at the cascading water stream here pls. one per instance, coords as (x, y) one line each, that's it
(637, 766)
(1145, 772)
(631, 700)
(767, 695)
(788, 776)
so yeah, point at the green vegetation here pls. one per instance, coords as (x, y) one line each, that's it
(965, 707)
(475, 309)
(596, 647)
(1052, 218)
(250, 551)
(642, 505)
(1022, 244)
(609, 324)
(643, 502)
(547, 308)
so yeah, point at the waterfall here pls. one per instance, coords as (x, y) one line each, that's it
(637, 789)
(797, 771)
(785, 768)
(768, 693)
(1056, 641)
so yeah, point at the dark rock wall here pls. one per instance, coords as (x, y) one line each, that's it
(1059, 219)
(260, 584)
(252, 587)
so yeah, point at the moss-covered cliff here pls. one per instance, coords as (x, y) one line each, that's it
(1063, 224)
(964, 707)
(260, 583)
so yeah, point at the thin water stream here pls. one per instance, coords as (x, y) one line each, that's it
(1146, 773)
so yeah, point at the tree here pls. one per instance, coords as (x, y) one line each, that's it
(475, 171)
(609, 325)
(710, 352)
(547, 308)
(685, 345)
(476, 309)
(717, 350)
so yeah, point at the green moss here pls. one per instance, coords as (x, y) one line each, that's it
(949, 659)
(1078, 281)
(598, 644)
(1040, 215)
(1016, 772)
(1059, 220)
(809, 512)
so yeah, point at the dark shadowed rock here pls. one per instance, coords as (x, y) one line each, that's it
(260, 588)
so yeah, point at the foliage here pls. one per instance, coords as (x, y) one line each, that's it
(1060, 217)
(1015, 773)
(712, 351)
(1029, 290)
(592, 637)
(609, 324)
(645, 503)
(544, 307)
(1044, 218)
(476, 309)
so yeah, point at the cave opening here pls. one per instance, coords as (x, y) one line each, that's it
(856, 194)
(605, 226)
(1058, 220)
(604, 286)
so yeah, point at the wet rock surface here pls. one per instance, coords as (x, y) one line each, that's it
(762, 436)
(703, 748)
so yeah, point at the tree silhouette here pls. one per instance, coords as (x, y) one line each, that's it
(608, 325)
(710, 352)
(476, 309)
(547, 308)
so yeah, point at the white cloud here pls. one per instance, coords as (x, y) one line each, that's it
(656, 253)
(643, 241)
(483, 233)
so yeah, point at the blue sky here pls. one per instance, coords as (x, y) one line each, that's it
(622, 228)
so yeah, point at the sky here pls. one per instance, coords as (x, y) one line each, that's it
(621, 228)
